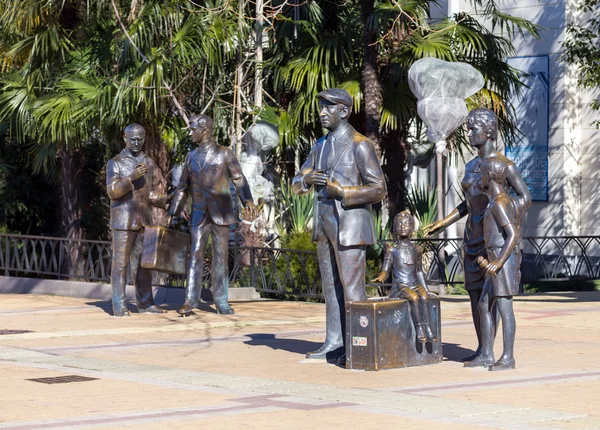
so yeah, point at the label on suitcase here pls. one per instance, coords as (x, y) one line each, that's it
(165, 250)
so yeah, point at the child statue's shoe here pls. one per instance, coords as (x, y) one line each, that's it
(421, 336)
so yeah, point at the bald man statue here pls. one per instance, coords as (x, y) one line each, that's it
(129, 182)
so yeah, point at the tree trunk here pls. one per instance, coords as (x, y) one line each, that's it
(372, 92)
(71, 162)
(394, 146)
(237, 87)
(155, 149)
(258, 80)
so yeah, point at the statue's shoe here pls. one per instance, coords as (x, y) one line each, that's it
(153, 309)
(421, 336)
(472, 356)
(480, 362)
(341, 361)
(121, 311)
(187, 307)
(430, 336)
(326, 351)
(502, 365)
(225, 310)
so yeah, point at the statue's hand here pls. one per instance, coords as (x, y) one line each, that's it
(139, 171)
(493, 267)
(335, 189)
(250, 208)
(436, 227)
(380, 279)
(185, 215)
(315, 177)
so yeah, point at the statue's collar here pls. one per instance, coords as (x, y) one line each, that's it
(340, 132)
(206, 147)
(126, 153)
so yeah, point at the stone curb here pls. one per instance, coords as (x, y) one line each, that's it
(101, 291)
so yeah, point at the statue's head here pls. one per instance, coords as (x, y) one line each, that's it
(201, 128)
(134, 136)
(482, 126)
(335, 106)
(404, 224)
(493, 170)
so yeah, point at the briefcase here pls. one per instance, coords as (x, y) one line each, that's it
(165, 250)
(380, 334)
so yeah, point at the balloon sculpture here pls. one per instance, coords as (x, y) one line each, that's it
(441, 88)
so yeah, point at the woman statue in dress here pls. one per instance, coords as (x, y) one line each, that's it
(482, 125)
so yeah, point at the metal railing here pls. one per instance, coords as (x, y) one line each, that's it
(287, 271)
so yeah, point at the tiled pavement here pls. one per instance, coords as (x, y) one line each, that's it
(247, 370)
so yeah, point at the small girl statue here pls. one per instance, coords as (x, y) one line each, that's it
(404, 260)
(501, 230)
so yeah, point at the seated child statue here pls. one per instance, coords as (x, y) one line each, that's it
(403, 258)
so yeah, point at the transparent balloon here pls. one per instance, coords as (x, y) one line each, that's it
(441, 88)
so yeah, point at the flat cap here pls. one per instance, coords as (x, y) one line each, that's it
(337, 96)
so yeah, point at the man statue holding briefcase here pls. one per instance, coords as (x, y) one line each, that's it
(129, 182)
(206, 174)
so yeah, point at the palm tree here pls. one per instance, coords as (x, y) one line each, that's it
(76, 75)
(37, 41)
(329, 46)
(75, 72)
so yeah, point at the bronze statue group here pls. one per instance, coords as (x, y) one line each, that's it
(344, 174)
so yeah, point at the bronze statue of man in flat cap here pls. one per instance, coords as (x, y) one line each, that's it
(206, 174)
(129, 183)
(344, 171)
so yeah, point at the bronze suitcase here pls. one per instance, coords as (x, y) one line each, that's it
(165, 250)
(380, 334)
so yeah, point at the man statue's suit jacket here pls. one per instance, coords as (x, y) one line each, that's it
(207, 181)
(357, 169)
(131, 201)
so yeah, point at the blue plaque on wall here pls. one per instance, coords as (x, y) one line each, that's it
(531, 111)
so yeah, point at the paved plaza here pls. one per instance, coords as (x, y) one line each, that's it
(247, 371)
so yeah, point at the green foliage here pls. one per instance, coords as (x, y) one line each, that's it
(27, 200)
(299, 240)
(382, 233)
(551, 286)
(458, 289)
(295, 211)
(422, 202)
(582, 49)
(299, 270)
(74, 73)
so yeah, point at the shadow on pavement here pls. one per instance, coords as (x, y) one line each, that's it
(453, 352)
(106, 306)
(291, 345)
